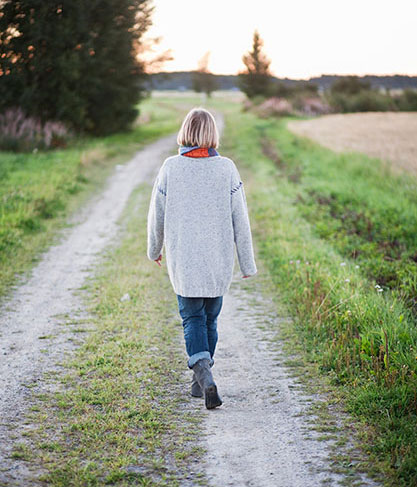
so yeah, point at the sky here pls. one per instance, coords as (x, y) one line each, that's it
(302, 38)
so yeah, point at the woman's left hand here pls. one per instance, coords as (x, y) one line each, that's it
(158, 260)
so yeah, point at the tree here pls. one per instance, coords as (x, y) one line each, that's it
(255, 80)
(73, 60)
(203, 80)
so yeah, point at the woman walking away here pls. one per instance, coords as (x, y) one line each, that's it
(198, 210)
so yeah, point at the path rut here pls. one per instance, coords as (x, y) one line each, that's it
(260, 436)
(31, 342)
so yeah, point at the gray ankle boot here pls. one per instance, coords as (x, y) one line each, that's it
(195, 388)
(205, 380)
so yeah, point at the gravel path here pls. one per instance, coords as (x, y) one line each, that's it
(31, 342)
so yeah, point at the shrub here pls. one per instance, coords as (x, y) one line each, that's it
(20, 133)
(282, 90)
(349, 85)
(407, 101)
(363, 101)
(311, 105)
(274, 107)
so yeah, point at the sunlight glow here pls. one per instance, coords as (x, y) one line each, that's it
(302, 38)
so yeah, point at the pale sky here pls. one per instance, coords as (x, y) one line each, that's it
(303, 38)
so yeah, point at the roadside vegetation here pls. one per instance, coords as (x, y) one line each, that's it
(338, 235)
(119, 415)
(267, 96)
(38, 190)
(336, 232)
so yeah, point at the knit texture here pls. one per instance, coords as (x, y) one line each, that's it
(198, 210)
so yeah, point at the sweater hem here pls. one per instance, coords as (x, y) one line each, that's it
(202, 293)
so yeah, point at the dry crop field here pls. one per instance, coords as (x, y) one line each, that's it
(386, 135)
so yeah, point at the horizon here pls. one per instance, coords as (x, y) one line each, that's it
(303, 40)
(162, 71)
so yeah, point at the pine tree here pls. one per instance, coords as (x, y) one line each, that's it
(256, 79)
(73, 60)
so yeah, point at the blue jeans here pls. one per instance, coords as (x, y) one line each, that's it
(199, 320)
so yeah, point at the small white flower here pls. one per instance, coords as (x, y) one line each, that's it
(343, 264)
(347, 280)
(377, 286)
(380, 290)
(297, 261)
(291, 262)
(125, 297)
(307, 262)
(356, 266)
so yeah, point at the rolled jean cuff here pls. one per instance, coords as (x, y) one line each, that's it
(198, 356)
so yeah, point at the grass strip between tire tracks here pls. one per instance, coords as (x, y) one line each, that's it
(120, 416)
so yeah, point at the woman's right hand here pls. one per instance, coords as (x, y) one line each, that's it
(158, 260)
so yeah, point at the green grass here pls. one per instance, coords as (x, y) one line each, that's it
(39, 190)
(305, 201)
(329, 228)
(118, 417)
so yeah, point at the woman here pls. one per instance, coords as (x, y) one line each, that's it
(198, 210)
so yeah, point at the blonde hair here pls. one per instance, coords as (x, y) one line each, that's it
(198, 128)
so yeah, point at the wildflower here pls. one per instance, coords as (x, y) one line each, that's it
(343, 264)
(347, 280)
(297, 261)
(377, 286)
(356, 266)
(291, 262)
(380, 290)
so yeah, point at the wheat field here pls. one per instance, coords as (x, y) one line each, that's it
(387, 135)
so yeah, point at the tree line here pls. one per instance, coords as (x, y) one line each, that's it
(75, 61)
(78, 62)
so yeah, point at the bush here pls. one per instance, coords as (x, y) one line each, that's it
(311, 105)
(274, 107)
(363, 101)
(407, 101)
(349, 85)
(282, 90)
(20, 133)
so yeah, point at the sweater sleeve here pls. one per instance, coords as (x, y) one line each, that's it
(156, 216)
(241, 226)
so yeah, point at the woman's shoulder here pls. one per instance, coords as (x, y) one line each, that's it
(172, 160)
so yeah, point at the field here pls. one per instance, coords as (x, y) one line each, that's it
(388, 136)
(336, 232)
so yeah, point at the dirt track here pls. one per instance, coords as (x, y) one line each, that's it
(255, 439)
(32, 342)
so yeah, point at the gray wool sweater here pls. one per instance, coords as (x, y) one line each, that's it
(198, 211)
